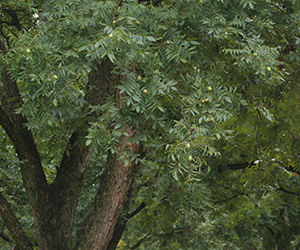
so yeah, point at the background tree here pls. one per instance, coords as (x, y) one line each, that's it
(156, 106)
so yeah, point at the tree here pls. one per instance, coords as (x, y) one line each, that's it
(96, 94)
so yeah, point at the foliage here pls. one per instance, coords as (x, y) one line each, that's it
(211, 89)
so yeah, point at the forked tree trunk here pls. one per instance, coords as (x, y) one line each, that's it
(53, 205)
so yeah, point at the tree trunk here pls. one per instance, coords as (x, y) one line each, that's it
(53, 205)
(116, 179)
(13, 225)
(116, 182)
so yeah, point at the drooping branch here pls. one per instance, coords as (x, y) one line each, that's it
(13, 224)
(152, 2)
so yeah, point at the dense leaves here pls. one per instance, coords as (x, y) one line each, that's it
(210, 89)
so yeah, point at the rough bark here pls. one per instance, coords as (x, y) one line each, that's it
(53, 206)
(31, 169)
(120, 226)
(115, 184)
(13, 225)
(64, 193)
(116, 181)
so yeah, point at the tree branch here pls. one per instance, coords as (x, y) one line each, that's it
(15, 21)
(287, 191)
(33, 176)
(152, 2)
(4, 237)
(119, 172)
(228, 199)
(239, 166)
(13, 224)
(140, 241)
(147, 238)
(122, 221)
(136, 211)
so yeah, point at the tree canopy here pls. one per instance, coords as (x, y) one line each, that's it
(162, 124)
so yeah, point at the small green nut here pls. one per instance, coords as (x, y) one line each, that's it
(145, 91)
(110, 35)
(205, 100)
(55, 77)
(137, 22)
(28, 51)
(190, 158)
(139, 78)
(188, 145)
(114, 22)
(255, 54)
(209, 88)
(168, 42)
(269, 68)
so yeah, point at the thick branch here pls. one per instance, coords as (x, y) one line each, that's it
(118, 175)
(65, 191)
(121, 225)
(31, 168)
(115, 184)
(13, 224)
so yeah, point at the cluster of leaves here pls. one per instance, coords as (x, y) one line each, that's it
(210, 87)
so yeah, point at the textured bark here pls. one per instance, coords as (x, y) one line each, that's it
(13, 225)
(118, 231)
(115, 184)
(63, 195)
(53, 206)
(116, 181)
(31, 169)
